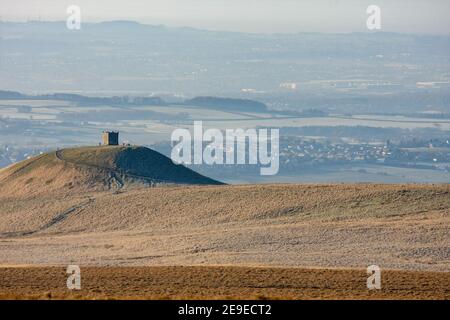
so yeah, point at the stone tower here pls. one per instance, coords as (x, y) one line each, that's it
(110, 138)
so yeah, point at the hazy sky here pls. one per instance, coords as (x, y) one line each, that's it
(410, 16)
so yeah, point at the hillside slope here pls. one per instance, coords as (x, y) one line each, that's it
(394, 226)
(94, 169)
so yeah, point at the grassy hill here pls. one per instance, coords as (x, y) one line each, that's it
(135, 162)
(95, 169)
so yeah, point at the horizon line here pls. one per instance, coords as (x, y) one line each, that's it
(90, 22)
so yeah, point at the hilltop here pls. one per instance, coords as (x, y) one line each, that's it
(95, 169)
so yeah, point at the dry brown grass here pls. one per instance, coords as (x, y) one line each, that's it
(395, 226)
(219, 283)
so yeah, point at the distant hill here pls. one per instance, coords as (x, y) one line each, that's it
(219, 103)
(228, 104)
(80, 99)
(95, 169)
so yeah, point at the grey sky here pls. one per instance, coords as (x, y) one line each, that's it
(409, 16)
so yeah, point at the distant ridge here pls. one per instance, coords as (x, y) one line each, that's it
(81, 99)
(218, 103)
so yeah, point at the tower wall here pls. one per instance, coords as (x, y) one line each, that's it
(110, 138)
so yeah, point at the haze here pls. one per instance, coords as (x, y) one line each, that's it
(268, 16)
